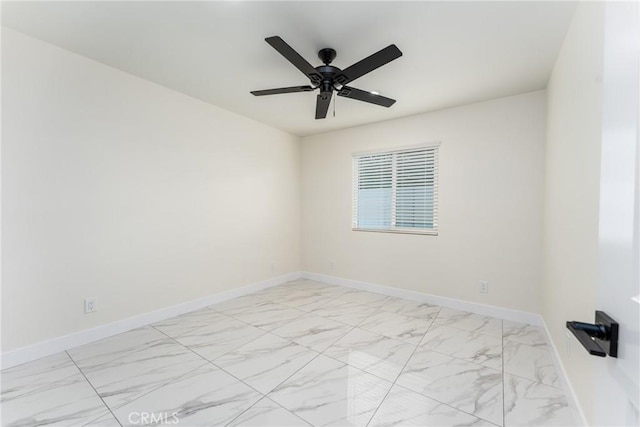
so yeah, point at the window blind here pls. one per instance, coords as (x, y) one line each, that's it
(396, 191)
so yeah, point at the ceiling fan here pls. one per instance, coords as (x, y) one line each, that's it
(328, 78)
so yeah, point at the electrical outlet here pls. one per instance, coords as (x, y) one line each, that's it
(332, 264)
(273, 267)
(483, 286)
(89, 305)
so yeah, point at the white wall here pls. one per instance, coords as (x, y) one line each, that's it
(491, 184)
(572, 192)
(120, 189)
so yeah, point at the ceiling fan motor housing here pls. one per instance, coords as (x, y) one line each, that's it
(327, 55)
(328, 72)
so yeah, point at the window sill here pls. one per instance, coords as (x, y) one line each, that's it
(398, 231)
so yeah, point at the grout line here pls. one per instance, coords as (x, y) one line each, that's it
(228, 373)
(264, 332)
(428, 397)
(393, 384)
(249, 408)
(305, 365)
(162, 385)
(446, 404)
(397, 376)
(96, 392)
(302, 313)
(301, 368)
(378, 309)
(145, 348)
(248, 385)
(279, 384)
(264, 396)
(378, 334)
(135, 348)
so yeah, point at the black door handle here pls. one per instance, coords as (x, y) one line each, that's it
(585, 338)
(600, 338)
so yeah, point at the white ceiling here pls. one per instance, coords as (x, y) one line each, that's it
(454, 52)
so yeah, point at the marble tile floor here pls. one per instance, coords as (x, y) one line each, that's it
(299, 354)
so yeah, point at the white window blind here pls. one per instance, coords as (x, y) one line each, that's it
(396, 191)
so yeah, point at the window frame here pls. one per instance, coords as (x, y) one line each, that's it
(397, 230)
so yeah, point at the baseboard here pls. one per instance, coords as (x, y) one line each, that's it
(564, 379)
(47, 348)
(486, 310)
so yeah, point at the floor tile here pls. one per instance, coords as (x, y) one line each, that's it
(466, 386)
(374, 353)
(531, 362)
(107, 420)
(23, 379)
(404, 328)
(313, 331)
(306, 301)
(345, 312)
(527, 403)
(300, 288)
(523, 333)
(127, 378)
(220, 338)
(271, 293)
(363, 297)
(328, 392)
(180, 325)
(238, 305)
(204, 397)
(472, 346)
(267, 413)
(266, 362)
(109, 349)
(470, 322)
(411, 308)
(406, 408)
(61, 395)
(277, 293)
(267, 315)
(334, 291)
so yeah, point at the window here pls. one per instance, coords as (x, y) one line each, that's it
(396, 191)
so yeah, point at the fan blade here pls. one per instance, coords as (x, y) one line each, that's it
(363, 95)
(322, 104)
(292, 89)
(294, 57)
(368, 64)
